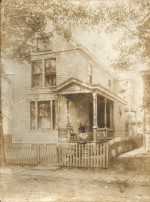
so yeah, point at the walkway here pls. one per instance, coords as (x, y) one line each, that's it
(140, 152)
(101, 175)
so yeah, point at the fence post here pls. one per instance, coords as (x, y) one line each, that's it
(38, 153)
(59, 154)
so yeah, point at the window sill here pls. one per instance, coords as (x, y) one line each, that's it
(40, 87)
(44, 130)
(108, 129)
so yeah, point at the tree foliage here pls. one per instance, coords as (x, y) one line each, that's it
(22, 20)
(134, 45)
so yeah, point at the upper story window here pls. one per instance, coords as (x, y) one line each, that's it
(109, 84)
(44, 73)
(90, 66)
(37, 74)
(50, 72)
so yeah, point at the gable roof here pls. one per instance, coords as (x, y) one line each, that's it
(61, 44)
(95, 59)
(85, 88)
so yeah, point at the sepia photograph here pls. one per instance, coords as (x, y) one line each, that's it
(74, 100)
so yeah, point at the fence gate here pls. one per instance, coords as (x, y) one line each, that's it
(94, 155)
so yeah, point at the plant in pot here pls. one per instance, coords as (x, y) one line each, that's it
(83, 127)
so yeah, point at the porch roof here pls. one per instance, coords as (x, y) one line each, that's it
(76, 86)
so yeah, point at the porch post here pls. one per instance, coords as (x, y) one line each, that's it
(57, 108)
(136, 121)
(105, 117)
(68, 121)
(94, 116)
(111, 115)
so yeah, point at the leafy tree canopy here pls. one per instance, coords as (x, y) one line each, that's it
(23, 19)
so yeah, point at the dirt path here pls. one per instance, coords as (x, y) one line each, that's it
(69, 185)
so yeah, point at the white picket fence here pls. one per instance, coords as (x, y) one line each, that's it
(31, 154)
(90, 155)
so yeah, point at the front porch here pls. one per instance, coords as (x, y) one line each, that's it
(89, 118)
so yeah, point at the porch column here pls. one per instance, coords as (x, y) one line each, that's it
(68, 121)
(67, 104)
(57, 108)
(111, 116)
(105, 116)
(94, 116)
(136, 121)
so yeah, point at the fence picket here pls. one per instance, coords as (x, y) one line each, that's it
(100, 149)
(107, 156)
(94, 147)
(76, 159)
(104, 155)
(68, 154)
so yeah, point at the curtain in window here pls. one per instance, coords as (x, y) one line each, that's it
(37, 73)
(44, 115)
(50, 72)
(32, 116)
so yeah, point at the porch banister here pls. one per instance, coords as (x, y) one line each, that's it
(94, 116)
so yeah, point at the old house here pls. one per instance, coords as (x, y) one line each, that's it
(65, 94)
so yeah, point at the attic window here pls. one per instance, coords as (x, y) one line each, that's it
(44, 43)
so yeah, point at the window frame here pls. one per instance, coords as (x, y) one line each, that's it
(52, 115)
(90, 72)
(51, 73)
(110, 84)
(42, 41)
(33, 74)
(43, 82)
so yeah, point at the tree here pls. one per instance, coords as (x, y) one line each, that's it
(2, 155)
(134, 45)
(28, 18)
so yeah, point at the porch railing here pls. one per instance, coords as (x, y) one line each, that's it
(104, 133)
